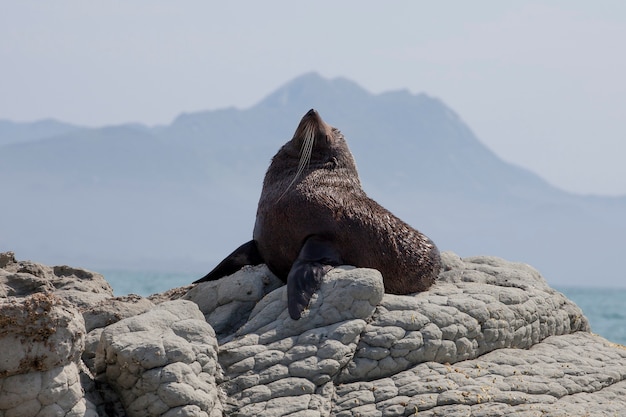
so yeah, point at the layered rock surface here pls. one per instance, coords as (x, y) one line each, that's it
(490, 338)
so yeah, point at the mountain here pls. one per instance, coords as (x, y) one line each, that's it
(13, 132)
(183, 196)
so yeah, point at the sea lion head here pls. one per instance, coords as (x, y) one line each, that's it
(315, 145)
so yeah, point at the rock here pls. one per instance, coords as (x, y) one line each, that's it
(7, 258)
(105, 313)
(41, 340)
(81, 287)
(299, 359)
(162, 362)
(53, 328)
(115, 309)
(482, 305)
(489, 338)
(571, 375)
(170, 295)
(227, 303)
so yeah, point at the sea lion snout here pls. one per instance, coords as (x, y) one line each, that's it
(312, 125)
(312, 114)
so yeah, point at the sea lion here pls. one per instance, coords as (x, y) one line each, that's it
(313, 215)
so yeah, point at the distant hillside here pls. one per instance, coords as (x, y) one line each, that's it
(184, 195)
(13, 132)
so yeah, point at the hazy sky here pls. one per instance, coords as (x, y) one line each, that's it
(543, 84)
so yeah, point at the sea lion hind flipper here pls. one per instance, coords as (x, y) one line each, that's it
(317, 256)
(246, 254)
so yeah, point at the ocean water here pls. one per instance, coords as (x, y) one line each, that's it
(604, 307)
(146, 282)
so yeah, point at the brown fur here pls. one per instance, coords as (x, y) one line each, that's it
(327, 200)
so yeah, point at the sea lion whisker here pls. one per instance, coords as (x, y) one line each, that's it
(305, 155)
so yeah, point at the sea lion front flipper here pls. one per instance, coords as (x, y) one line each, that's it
(246, 254)
(317, 256)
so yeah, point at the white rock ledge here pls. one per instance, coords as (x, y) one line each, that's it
(490, 338)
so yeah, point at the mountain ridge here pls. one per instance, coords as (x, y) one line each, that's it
(188, 190)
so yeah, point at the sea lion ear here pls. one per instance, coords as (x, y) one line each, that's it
(317, 256)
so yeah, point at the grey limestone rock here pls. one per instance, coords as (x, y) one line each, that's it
(105, 313)
(490, 338)
(577, 374)
(52, 327)
(227, 303)
(41, 340)
(162, 362)
(278, 366)
(112, 310)
(476, 306)
(81, 287)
